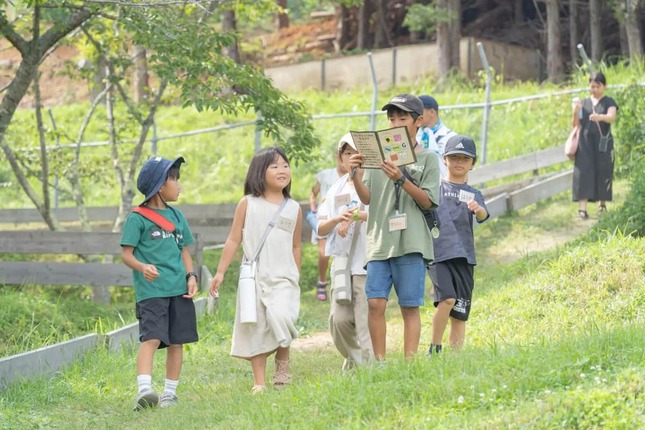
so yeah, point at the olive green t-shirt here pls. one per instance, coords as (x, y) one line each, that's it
(383, 244)
(153, 245)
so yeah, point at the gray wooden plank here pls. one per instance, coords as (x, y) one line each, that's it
(497, 206)
(38, 273)
(60, 242)
(517, 165)
(124, 337)
(540, 191)
(45, 361)
(204, 214)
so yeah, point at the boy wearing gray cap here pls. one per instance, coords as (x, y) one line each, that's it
(452, 271)
(154, 241)
(399, 243)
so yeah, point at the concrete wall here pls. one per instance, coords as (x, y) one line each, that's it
(404, 64)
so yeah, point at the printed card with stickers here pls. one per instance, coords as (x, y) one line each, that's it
(466, 196)
(392, 144)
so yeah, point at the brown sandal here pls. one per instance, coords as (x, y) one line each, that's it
(281, 377)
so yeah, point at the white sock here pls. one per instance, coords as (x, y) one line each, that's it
(171, 386)
(145, 382)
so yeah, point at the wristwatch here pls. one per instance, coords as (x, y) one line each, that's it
(189, 274)
(400, 181)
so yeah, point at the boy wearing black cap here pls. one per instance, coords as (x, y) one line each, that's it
(454, 249)
(154, 241)
(399, 243)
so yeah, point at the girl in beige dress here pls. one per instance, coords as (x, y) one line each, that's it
(268, 183)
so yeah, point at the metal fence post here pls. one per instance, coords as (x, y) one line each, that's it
(322, 75)
(374, 92)
(489, 78)
(585, 58)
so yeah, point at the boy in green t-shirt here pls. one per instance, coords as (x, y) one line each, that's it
(154, 247)
(399, 243)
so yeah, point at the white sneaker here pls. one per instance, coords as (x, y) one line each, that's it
(146, 399)
(168, 399)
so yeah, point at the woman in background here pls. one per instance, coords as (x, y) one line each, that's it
(594, 163)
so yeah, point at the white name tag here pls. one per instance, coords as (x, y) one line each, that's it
(398, 222)
(466, 196)
(285, 224)
(342, 200)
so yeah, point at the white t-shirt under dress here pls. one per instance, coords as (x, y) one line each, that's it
(277, 289)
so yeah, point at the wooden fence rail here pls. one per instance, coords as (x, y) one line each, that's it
(69, 273)
(211, 221)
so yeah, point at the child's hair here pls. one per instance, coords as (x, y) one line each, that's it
(173, 172)
(254, 183)
(394, 109)
(598, 78)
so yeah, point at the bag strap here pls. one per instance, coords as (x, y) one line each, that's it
(409, 178)
(593, 109)
(155, 217)
(268, 230)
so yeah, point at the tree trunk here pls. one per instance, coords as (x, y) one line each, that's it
(343, 28)
(454, 28)
(624, 44)
(573, 31)
(555, 65)
(141, 77)
(443, 43)
(281, 18)
(364, 13)
(632, 12)
(518, 12)
(229, 25)
(382, 36)
(595, 13)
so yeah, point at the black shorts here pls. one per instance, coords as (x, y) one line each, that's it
(172, 320)
(453, 279)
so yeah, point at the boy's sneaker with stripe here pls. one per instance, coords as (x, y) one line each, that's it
(168, 399)
(146, 399)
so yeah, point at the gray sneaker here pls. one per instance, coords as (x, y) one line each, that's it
(168, 399)
(146, 399)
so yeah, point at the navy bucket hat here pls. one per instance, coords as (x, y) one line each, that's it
(153, 175)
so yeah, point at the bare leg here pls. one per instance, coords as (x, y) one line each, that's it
(174, 358)
(411, 330)
(440, 320)
(376, 323)
(457, 333)
(282, 354)
(323, 261)
(582, 205)
(259, 366)
(146, 355)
